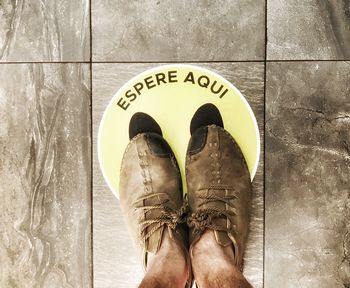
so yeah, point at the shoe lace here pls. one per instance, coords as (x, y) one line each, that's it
(167, 216)
(203, 218)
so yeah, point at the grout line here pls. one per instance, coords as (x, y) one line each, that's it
(309, 60)
(264, 146)
(165, 62)
(173, 61)
(91, 156)
(226, 61)
(47, 62)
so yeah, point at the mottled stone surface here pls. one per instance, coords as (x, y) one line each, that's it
(307, 232)
(32, 30)
(115, 261)
(166, 30)
(312, 29)
(45, 175)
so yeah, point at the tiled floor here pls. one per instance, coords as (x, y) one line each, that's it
(308, 29)
(44, 30)
(45, 175)
(166, 30)
(296, 79)
(307, 227)
(249, 78)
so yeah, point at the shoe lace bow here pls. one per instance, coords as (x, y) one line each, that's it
(204, 218)
(166, 215)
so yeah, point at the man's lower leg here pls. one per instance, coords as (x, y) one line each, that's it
(167, 268)
(213, 265)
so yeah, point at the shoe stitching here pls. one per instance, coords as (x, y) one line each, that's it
(171, 156)
(188, 158)
(132, 141)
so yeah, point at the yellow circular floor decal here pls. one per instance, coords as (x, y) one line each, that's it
(171, 94)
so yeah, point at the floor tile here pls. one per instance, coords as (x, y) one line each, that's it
(307, 224)
(166, 30)
(299, 29)
(115, 261)
(45, 175)
(44, 30)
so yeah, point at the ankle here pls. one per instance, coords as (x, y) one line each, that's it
(161, 281)
(221, 271)
(207, 250)
(167, 270)
(168, 267)
(223, 279)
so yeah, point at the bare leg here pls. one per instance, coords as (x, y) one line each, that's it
(213, 265)
(167, 268)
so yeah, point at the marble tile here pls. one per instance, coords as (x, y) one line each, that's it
(312, 29)
(307, 226)
(115, 261)
(165, 30)
(44, 30)
(45, 172)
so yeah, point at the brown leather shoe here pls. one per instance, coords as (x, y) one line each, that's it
(218, 184)
(150, 190)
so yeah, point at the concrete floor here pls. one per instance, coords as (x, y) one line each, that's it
(62, 61)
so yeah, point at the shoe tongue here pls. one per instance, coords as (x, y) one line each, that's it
(155, 239)
(220, 236)
(152, 246)
(153, 243)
